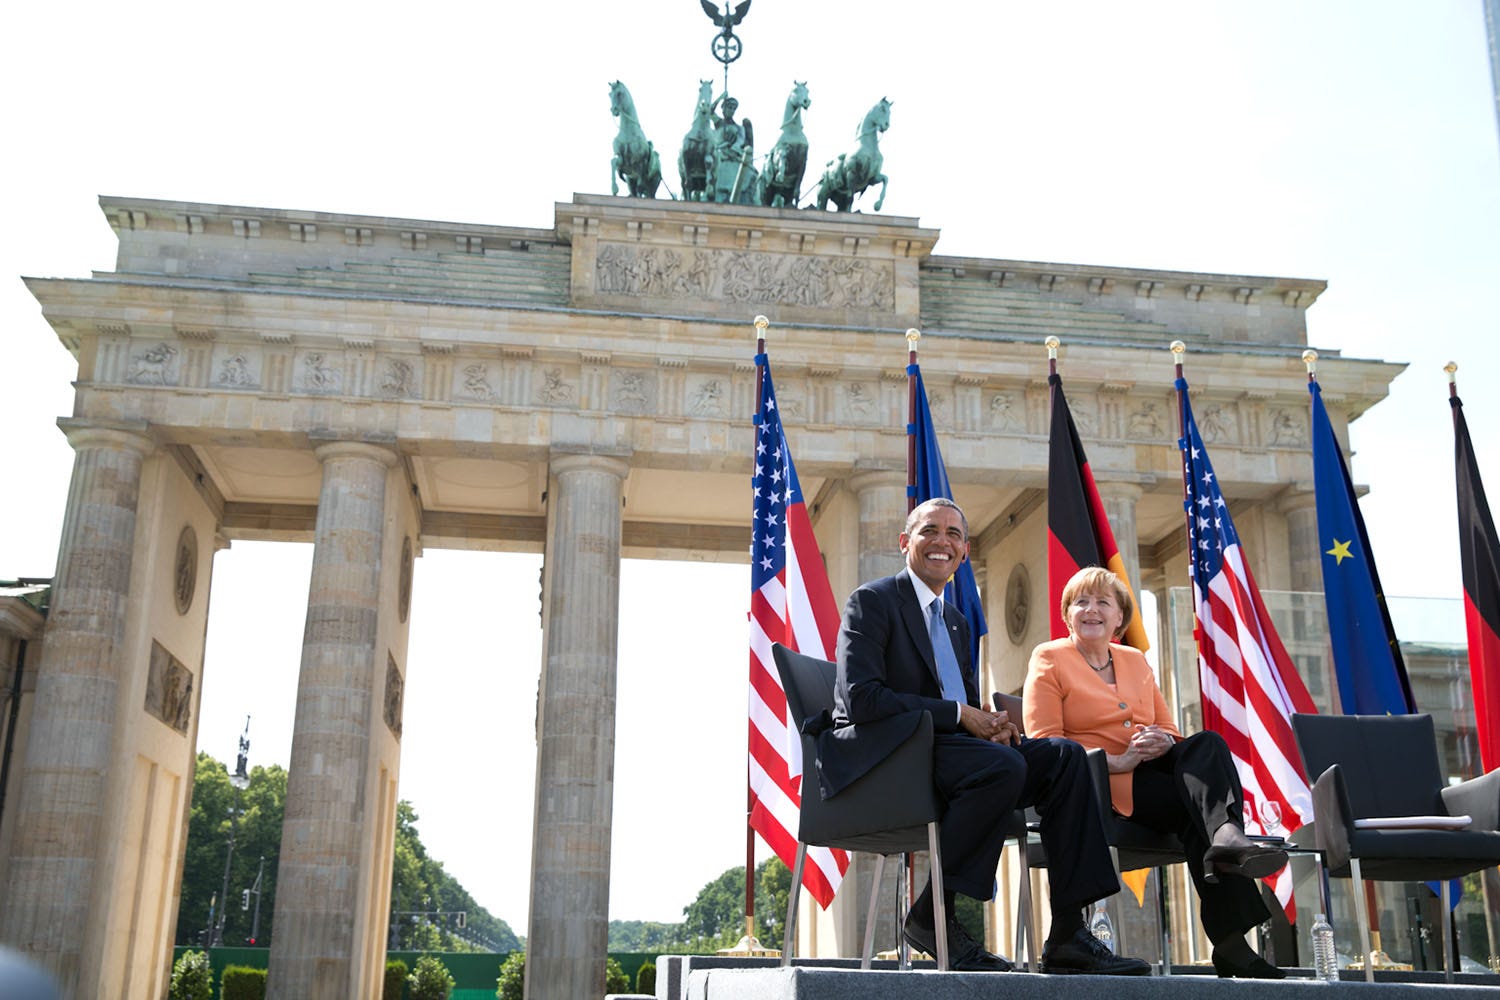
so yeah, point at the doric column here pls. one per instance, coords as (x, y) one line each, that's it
(313, 949)
(568, 929)
(1301, 512)
(50, 882)
(882, 515)
(1119, 506)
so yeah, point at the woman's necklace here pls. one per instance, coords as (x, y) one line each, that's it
(1110, 662)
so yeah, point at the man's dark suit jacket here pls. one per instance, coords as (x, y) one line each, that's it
(887, 677)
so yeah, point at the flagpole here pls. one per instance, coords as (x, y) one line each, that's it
(761, 323)
(1052, 345)
(1377, 957)
(1452, 369)
(1178, 350)
(912, 336)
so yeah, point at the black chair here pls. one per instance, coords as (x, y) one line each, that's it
(1385, 768)
(892, 809)
(1133, 844)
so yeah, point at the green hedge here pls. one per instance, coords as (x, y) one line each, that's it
(241, 982)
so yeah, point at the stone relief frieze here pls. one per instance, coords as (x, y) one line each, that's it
(1216, 424)
(154, 366)
(940, 405)
(395, 691)
(235, 372)
(632, 391)
(476, 382)
(745, 277)
(1083, 416)
(1003, 413)
(1147, 422)
(318, 374)
(398, 378)
(859, 398)
(169, 689)
(556, 388)
(707, 398)
(1288, 429)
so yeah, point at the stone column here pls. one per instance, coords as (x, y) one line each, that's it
(882, 515)
(568, 929)
(52, 876)
(313, 949)
(1306, 564)
(1119, 506)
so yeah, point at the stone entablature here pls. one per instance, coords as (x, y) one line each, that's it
(992, 297)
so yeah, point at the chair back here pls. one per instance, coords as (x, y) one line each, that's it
(807, 680)
(1389, 762)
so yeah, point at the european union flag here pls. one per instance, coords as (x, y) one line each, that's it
(931, 480)
(1366, 656)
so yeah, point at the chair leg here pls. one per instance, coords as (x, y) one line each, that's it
(1363, 918)
(903, 950)
(1163, 927)
(1447, 933)
(869, 954)
(1024, 928)
(939, 909)
(790, 937)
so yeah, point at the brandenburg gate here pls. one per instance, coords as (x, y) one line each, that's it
(381, 386)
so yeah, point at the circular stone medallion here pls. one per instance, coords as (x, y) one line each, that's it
(185, 570)
(404, 600)
(1017, 603)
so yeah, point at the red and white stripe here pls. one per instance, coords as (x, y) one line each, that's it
(795, 608)
(1250, 690)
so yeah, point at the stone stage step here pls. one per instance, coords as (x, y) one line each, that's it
(713, 978)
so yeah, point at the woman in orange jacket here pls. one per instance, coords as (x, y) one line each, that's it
(1091, 689)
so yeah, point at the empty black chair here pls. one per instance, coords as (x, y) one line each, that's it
(892, 809)
(1377, 775)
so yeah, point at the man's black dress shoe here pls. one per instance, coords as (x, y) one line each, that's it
(964, 953)
(1082, 954)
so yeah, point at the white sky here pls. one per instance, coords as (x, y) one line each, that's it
(1350, 141)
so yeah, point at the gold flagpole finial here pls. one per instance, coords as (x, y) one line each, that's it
(1310, 358)
(912, 336)
(1178, 350)
(760, 326)
(1052, 345)
(1451, 368)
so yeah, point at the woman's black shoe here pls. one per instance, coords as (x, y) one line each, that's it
(1235, 966)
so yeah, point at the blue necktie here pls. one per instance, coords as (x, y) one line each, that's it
(942, 651)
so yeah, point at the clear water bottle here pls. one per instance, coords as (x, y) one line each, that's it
(1100, 926)
(1325, 958)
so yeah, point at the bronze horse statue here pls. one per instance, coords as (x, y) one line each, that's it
(847, 177)
(781, 182)
(635, 158)
(697, 148)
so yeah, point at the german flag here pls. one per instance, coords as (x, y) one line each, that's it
(1480, 554)
(1078, 532)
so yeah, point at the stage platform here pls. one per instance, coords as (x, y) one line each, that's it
(712, 978)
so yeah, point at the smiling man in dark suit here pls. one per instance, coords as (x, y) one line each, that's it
(901, 652)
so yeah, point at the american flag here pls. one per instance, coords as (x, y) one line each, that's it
(1249, 684)
(790, 603)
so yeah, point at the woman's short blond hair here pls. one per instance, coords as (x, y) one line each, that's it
(1098, 580)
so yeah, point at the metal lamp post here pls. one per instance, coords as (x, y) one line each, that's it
(240, 779)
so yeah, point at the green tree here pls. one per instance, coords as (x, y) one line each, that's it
(512, 981)
(615, 980)
(192, 978)
(773, 886)
(261, 807)
(430, 979)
